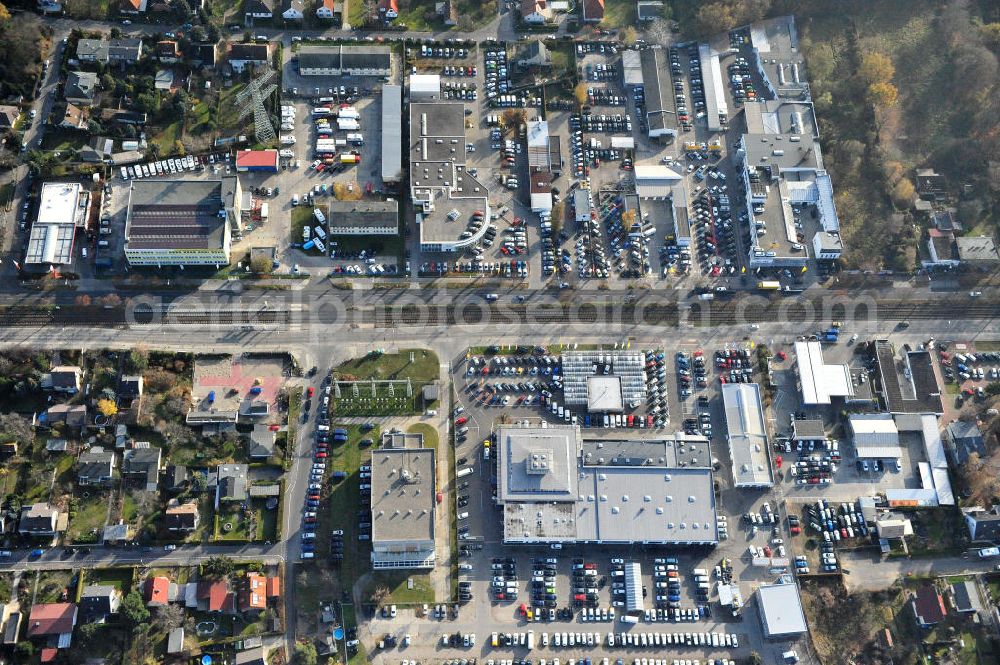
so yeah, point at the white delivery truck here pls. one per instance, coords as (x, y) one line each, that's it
(319, 216)
(467, 471)
(287, 139)
(531, 640)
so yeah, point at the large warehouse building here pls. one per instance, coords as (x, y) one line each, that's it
(403, 502)
(555, 487)
(181, 222)
(63, 208)
(746, 433)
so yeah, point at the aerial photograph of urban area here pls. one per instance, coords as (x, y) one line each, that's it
(500, 332)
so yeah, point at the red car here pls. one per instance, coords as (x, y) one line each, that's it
(795, 530)
(461, 421)
(777, 461)
(274, 428)
(320, 455)
(782, 355)
(579, 597)
(310, 391)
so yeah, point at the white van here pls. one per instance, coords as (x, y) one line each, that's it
(463, 516)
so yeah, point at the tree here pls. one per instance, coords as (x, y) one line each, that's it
(107, 407)
(83, 300)
(262, 265)
(137, 361)
(15, 428)
(110, 300)
(629, 36)
(380, 595)
(580, 93)
(876, 68)
(133, 609)
(755, 658)
(714, 17)
(25, 649)
(903, 194)
(167, 617)
(89, 632)
(305, 654)
(4, 13)
(217, 567)
(658, 31)
(883, 94)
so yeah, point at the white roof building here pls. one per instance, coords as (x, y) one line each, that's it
(820, 381)
(875, 435)
(747, 435)
(781, 614)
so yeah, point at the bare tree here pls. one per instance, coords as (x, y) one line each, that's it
(658, 32)
(167, 617)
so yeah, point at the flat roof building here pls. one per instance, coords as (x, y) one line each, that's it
(63, 208)
(781, 614)
(661, 113)
(662, 193)
(907, 385)
(450, 204)
(604, 381)
(403, 503)
(392, 134)
(556, 488)
(181, 222)
(746, 434)
(819, 381)
(875, 435)
(363, 218)
(345, 60)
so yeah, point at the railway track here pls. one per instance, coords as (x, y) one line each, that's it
(698, 313)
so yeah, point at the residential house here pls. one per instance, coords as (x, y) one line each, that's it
(252, 595)
(388, 9)
(448, 11)
(215, 596)
(928, 606)
(74, 117)
(96, 467)
(203, 55)
(116, 534)
(129, 393)
(38, 519)
(962, 438)
(122, 439)
(131, 6)
(54, 622)
(242, 56)
(183, 518)
(57, 446)
(164, 79)
(141, 464)
(98, 602)
(292, 10)
(931, 186)
(325, 8)
(12, 629)
(175, 478)
(63, 379)
(535, 11)
(157, 591)
(230, 483)
(534, 54)
(74, 415)
(80, 88)
(260, 442)
(977, 251)
(254, 656)
(252, 9)
(114, 51)
(593, 11)
(167, 51)
(8, 116)
(965, 597)
(984, 527)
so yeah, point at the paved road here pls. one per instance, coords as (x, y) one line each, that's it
(100, 557)
(872, 573)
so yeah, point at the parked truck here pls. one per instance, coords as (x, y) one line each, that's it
(769, 285)
(350, 158)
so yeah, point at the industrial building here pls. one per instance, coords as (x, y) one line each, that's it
(363, 218)
(403, 503)
(663, 196)
(63, 208)
(182, 222)
(746, 433)
(875, 436)
(819, 382)
(264, 161)
(604, 381)
(392, 134)
(781, 615)
(661, 112)
(344, 60)
(446, 197)
(555, 487)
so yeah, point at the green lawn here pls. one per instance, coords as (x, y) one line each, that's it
(63, 140)
(424, 368)
(231, 514)
(87, 523)
(53, 586)
(118, 577)
(618, 14)
(430, 434)
(397, 582)
(301, 215)
(166, 138)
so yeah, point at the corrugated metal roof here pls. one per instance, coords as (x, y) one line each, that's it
(633, 587)
(392, 133)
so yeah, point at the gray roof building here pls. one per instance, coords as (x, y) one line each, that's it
(96, 467)
(143, 464)
(661, 112)
(363, 217)
(964, 438)
(175, 477)
(38, 519)
(555, 488)
(344, 59)
(977, 250)
(403, 505)
(392, 133)
(260, 442)
(80, 88)
(746, 433)
(231, 483)
(98, 601)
